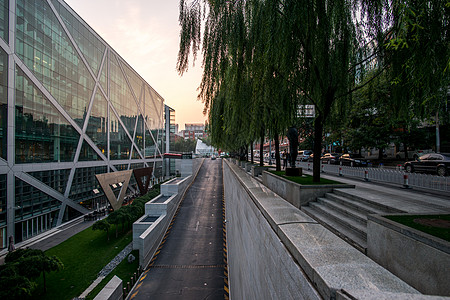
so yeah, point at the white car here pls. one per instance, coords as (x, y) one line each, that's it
(412, 154)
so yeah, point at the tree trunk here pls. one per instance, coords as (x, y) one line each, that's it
(380, 154)
(317, 149)
(261, 150)
(277, 152)
(45, 283)
(251, 150)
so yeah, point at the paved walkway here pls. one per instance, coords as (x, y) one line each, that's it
(190, 263)
(409, 200)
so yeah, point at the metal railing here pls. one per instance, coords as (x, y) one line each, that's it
(395, 176)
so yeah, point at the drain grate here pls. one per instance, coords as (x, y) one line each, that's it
(187, 266)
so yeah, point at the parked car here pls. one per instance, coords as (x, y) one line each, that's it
(303, 155)
(432, 162)
(353, 160)
(330, 158)
(412, 154)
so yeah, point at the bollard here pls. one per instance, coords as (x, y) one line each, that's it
(366, 175)
(406, 181)
(128, 287)
(340, 171)
(322, 168)
(135, 276)
(308, 167)
(132, 280)
(125, 292)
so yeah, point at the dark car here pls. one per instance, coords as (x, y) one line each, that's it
(330, 158)
(353, 160)
(432, 162)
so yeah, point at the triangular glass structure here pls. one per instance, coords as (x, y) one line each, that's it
(91, 47)
(120, 144)
(42, 133)
(97, 128)
(52, 57)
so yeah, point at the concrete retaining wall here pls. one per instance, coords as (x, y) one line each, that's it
(297, 194)
(419, 259)
(148, 235)
(112, 290)
(275, 251)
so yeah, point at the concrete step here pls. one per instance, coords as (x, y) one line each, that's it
(341, 230)
(354, 195)
(361, 206)
(340, 218)
(342, 208)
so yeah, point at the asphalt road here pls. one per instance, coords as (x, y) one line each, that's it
(191, 263)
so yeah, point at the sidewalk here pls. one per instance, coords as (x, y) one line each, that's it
(52, 237)
(409, 200)
(414, 200)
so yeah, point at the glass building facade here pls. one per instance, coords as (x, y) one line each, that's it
(70, 108)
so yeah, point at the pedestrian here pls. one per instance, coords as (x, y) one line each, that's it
(284, 156)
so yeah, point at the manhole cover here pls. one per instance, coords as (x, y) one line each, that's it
(433, 222)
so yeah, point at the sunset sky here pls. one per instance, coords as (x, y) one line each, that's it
(146, 34)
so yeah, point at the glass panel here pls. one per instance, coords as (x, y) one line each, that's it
(30, 201)
(139, 137)
(149, 145)
(154, 108)
(3, 102)
(56, 179)
(87, 153)
(91, 47)
(3, 200)
(84, 182)
(135, 81)
(42, 133)
(97, 126)
(49, 54)
(135, 154)
(119, 143)
(104, 76)
(121, 96)
(4, 20)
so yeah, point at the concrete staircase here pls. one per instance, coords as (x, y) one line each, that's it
(345, 214)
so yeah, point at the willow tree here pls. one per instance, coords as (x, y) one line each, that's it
(238, 88)
(310, 52)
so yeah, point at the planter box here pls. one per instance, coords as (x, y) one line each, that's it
(258, 170)
(297, 194)
(420, 259)
(248, 167)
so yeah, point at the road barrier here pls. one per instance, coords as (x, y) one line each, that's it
(395, 176)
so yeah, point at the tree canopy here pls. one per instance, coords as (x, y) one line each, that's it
(263, 58)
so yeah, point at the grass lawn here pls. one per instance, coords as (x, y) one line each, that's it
(124, 271)
(440, 232)
(83, 256)
(305, 179)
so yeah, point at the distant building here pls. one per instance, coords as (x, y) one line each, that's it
(198, 129)
(188, 135)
